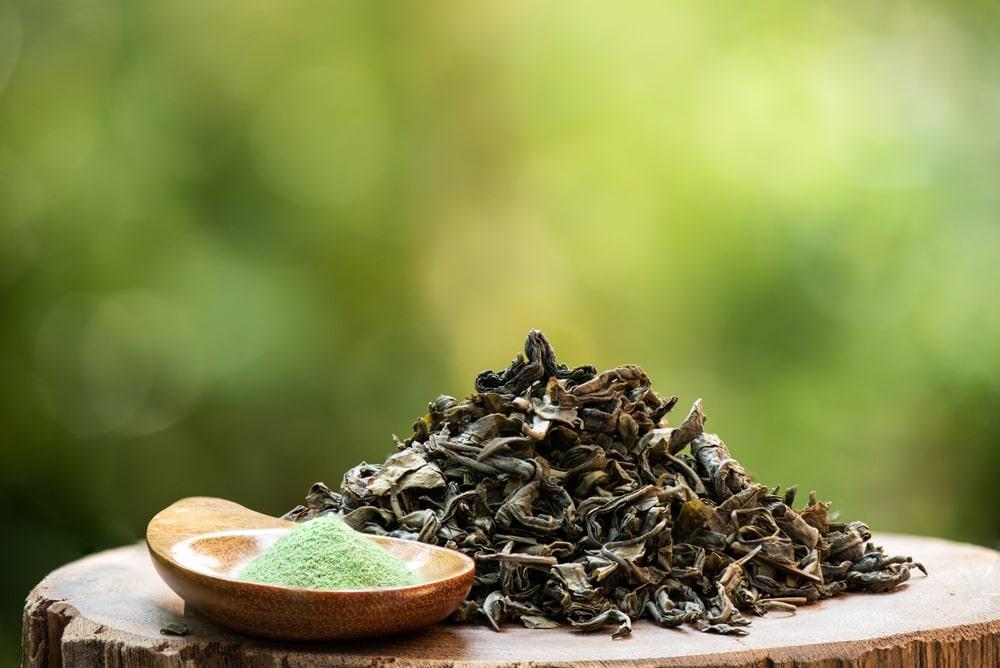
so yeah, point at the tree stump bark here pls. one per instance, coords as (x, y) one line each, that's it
(108, 609)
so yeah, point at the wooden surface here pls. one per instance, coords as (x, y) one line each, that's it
(108, 609)
(200, 544)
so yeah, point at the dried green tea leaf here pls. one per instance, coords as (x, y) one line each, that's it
(581, 504)
(173, 629)
(539, 622)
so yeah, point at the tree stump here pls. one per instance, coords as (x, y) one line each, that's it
(109, 608)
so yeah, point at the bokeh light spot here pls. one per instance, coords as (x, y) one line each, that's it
(322, 137)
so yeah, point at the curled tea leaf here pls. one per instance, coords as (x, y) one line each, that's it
(173, 629)
(539, 622)
(611, 616)
(581, 504)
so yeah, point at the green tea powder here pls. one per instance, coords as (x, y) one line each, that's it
(325, 553)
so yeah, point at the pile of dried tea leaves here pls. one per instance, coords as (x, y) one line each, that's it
(579, 505)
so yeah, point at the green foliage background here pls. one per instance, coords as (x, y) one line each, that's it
(242, 244)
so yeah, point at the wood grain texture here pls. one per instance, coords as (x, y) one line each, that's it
(107, 609)
(199, 545)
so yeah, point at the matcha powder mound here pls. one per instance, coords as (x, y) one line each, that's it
(325, 553)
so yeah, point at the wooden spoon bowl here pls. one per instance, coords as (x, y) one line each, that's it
(199, 544)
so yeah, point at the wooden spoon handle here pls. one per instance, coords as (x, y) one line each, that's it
(199, 515)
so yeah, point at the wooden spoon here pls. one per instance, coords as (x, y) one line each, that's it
(199, 544)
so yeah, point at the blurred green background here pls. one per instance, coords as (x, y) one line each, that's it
(243, 244)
